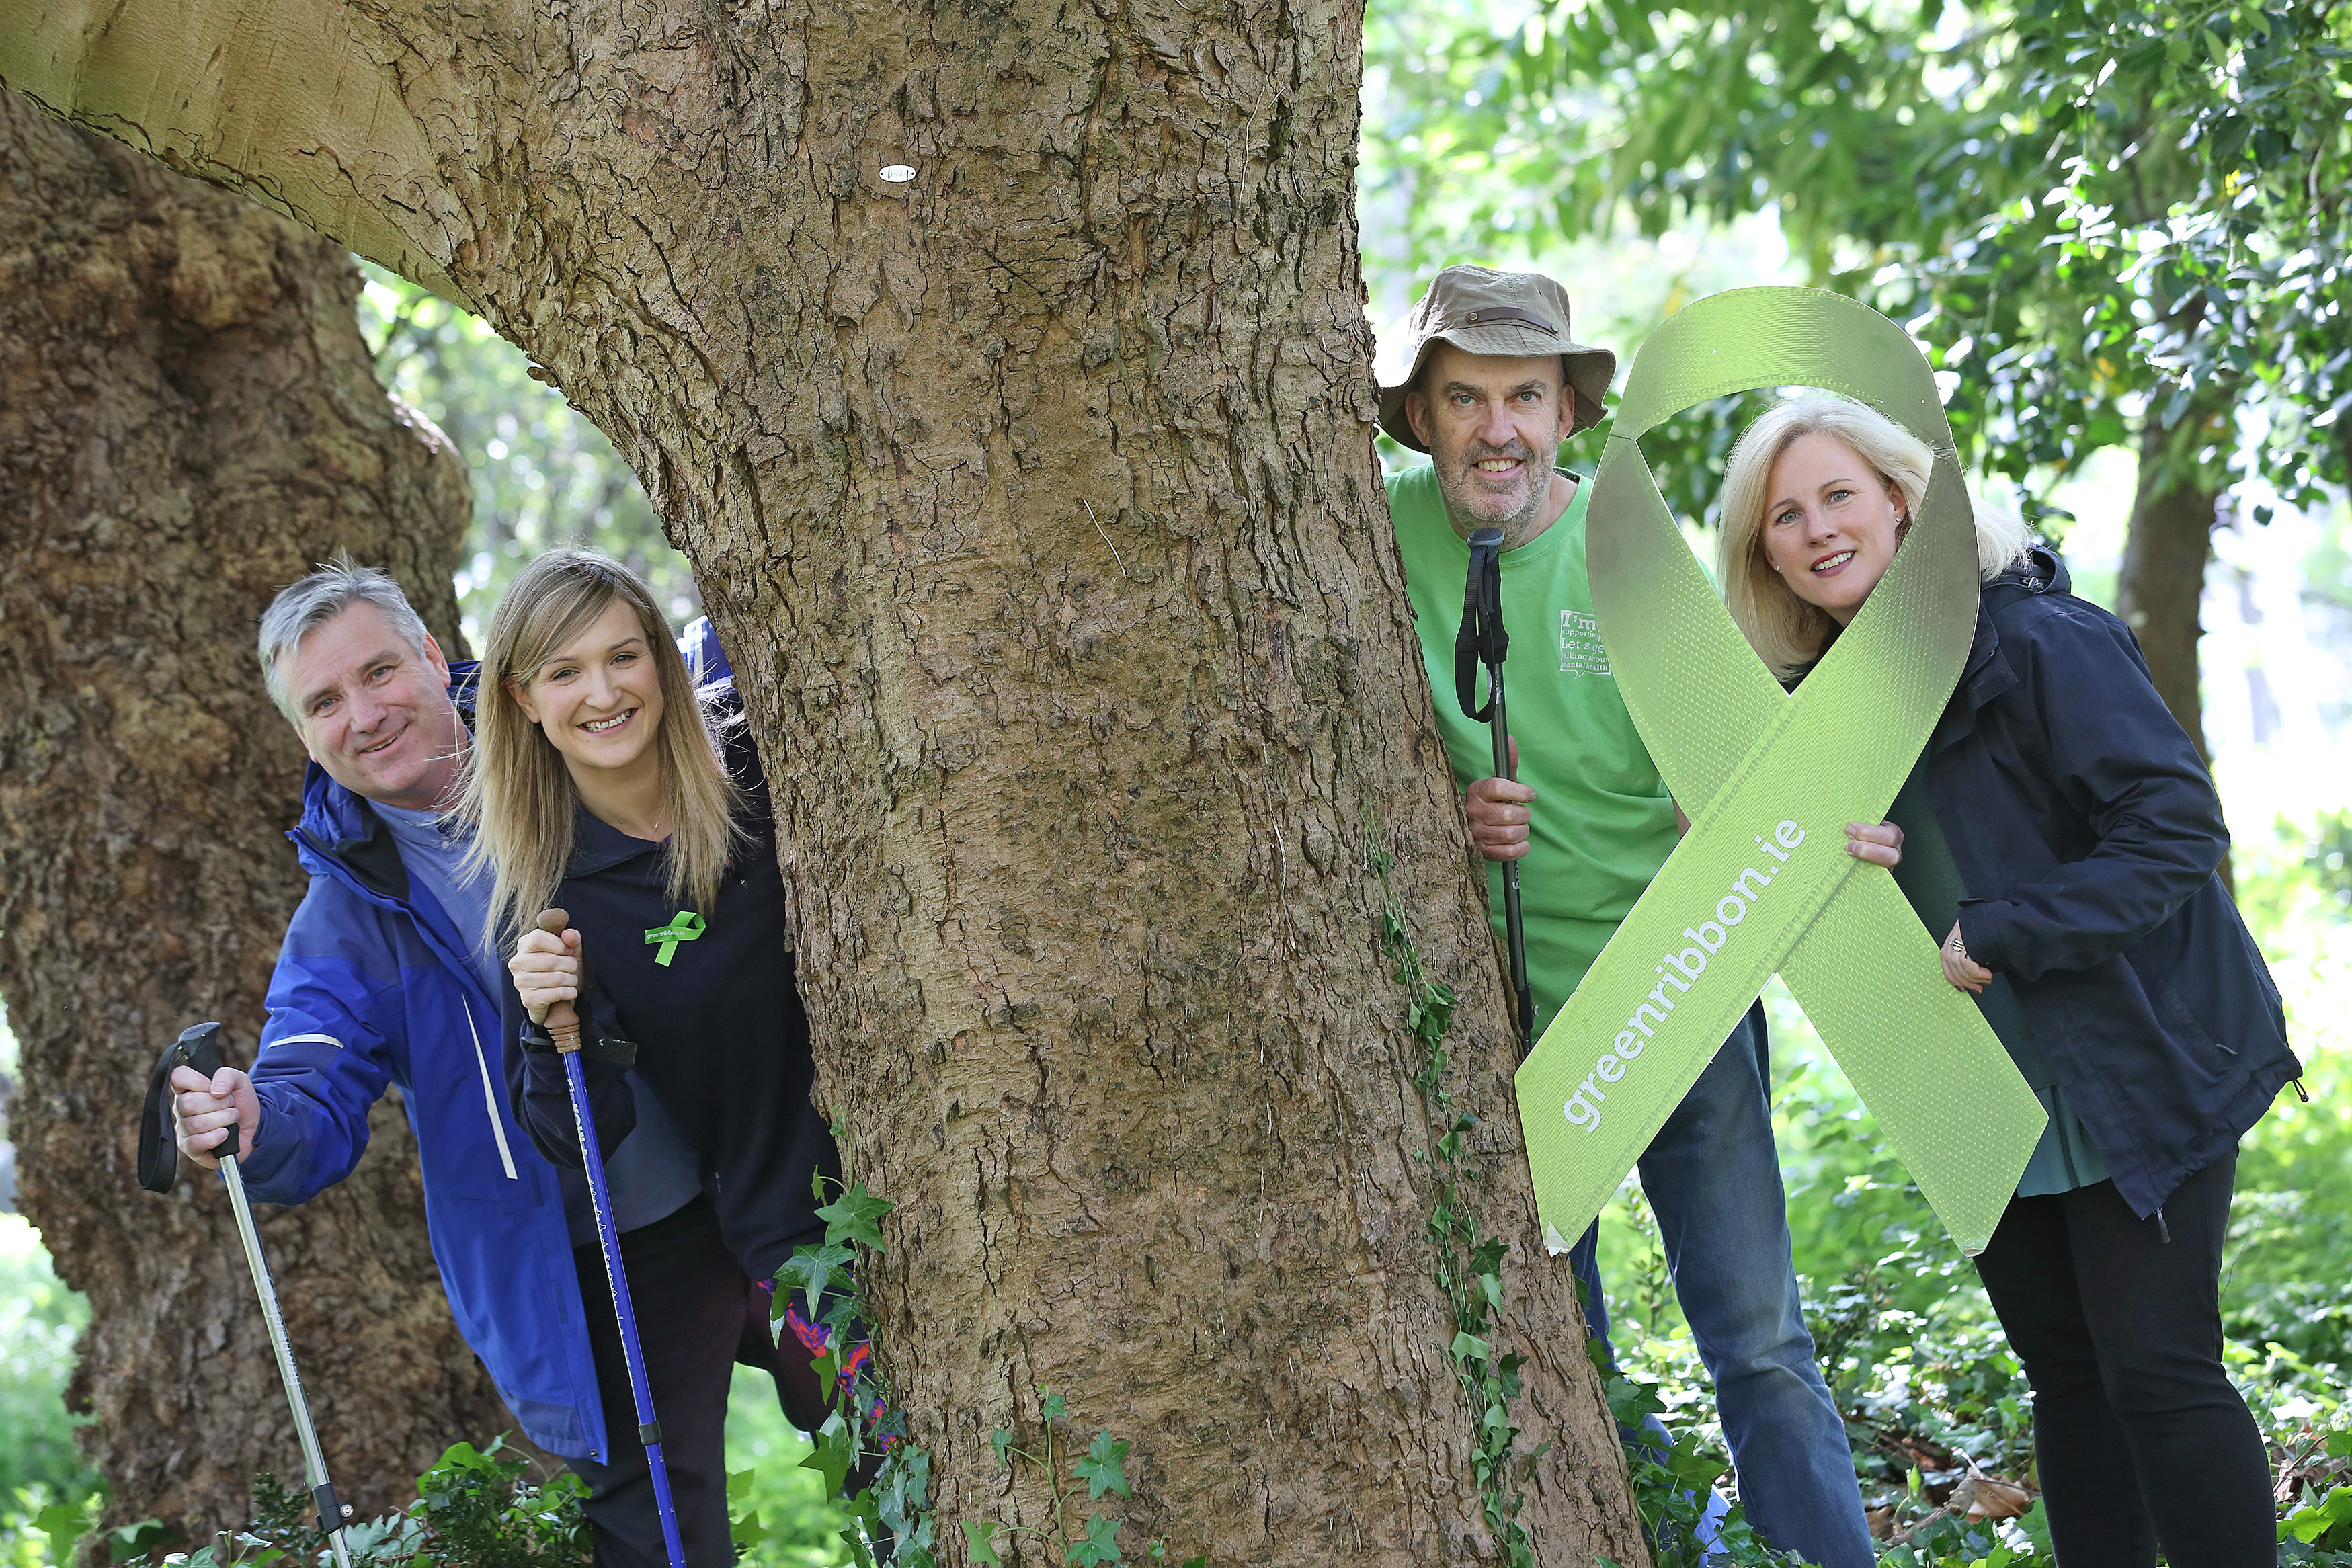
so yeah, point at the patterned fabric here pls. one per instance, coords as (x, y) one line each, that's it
(815, 1337)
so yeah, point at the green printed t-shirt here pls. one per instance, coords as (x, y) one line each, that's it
(1601, 823)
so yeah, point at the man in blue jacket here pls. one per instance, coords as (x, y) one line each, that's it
(385, 978)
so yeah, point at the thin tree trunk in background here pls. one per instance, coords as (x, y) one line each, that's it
(2160, 586)
(2161, 582)
(188, 419)
(1033, 495)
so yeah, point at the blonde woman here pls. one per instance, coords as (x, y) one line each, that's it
(2060, 839)
(604, 783)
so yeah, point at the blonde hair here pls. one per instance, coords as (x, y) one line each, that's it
(518, 794)
(1784, 630)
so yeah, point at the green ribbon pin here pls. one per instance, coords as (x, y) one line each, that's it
(684, 926)
(1769, 778)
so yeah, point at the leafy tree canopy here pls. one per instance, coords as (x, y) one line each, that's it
(2088, 210)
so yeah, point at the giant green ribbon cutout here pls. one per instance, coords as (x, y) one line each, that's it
(1769, 778)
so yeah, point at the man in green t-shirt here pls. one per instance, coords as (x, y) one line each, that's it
(1495, 385)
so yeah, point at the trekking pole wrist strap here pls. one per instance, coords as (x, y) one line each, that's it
(1481, 636)
(158, 1143)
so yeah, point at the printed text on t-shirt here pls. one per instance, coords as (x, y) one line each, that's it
(1580, 645)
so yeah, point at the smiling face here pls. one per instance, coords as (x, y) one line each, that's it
(1493, 424)
(599, 700)
(1831, 524)
(374, 712)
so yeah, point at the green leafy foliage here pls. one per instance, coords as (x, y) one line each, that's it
(1103, 1467)
(855, 1218)
(2327, 1523)
(866, 1432)
(39, 1319)
(474, 1509)
(542, 475)
(1100, 1543)
(2094, 213)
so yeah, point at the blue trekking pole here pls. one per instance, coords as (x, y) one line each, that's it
(562, 1023)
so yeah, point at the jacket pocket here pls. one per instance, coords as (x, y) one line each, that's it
(2176, 1018)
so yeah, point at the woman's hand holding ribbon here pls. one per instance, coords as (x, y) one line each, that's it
(1959, 968)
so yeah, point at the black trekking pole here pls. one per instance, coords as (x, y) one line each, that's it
(159, 1163)
(1482, 639)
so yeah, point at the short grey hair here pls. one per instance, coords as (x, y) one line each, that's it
(303, 607)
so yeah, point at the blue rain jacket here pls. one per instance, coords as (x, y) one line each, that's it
(2080, 812)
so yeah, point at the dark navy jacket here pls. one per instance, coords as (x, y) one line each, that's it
(2088, 827)
(720, 1032)
(372, 988)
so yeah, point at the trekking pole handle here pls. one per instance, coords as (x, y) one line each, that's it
(159, 1146)
(562, 1020)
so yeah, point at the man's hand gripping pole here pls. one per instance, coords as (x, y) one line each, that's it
(199, 1047)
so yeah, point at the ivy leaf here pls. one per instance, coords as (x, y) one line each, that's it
(811, 1271)
(1693, 1467)
(1054, 1405)
(976, 1537)
(833, 1453)
(1103, 1467)
(62, 1522)
(1629, 1403)
(1002, 1441)
(852, 1217)
(1101, 1544)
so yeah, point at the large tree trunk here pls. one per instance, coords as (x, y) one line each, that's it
(1035, 496)
(187, 419)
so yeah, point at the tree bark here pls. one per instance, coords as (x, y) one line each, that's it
(188, 419)
(1033, 495)
(2161, 583)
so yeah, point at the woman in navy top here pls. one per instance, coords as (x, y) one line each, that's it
(607, 785)
(2061, 839)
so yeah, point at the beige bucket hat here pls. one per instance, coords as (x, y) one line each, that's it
(1483, 312)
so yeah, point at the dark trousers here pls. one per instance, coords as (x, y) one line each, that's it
(697, 1315)
(2139, 1435)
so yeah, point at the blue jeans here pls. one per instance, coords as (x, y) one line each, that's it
(1713, 1178)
